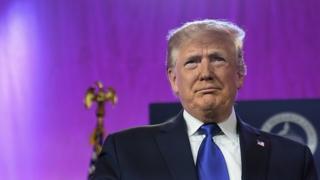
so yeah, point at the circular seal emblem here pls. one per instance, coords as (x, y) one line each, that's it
(293, 126)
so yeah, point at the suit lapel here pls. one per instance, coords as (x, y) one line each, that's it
(174, 145)
(255, 151)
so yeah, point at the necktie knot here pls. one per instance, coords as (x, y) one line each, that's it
(210, 129)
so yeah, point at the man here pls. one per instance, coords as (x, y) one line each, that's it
(206, 140)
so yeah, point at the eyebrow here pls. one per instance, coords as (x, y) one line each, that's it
(210, 55)
(215, 54)
(195, 56)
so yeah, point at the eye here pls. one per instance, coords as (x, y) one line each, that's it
(192, 62)
(217, 59)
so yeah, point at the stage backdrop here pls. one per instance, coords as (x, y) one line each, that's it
(52, 50)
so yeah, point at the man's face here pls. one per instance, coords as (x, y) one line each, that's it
(206, 77)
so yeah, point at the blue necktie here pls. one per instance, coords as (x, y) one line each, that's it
(211, 164)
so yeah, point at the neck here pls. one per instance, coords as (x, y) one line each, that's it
(212, 116)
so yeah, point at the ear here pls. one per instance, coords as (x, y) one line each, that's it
(240, 80)
(173, 80)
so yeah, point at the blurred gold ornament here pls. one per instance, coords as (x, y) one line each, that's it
(98, 94)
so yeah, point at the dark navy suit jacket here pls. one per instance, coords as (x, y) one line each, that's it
(163, 152)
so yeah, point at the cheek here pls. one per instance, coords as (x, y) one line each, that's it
(230, 80)
(185, 81)
(236, 83)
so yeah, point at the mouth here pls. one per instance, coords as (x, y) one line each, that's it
(208, 90)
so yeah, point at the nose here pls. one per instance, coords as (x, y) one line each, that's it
(206, 72)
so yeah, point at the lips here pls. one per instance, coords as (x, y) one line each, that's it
(207, 90)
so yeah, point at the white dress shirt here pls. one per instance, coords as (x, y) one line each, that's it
(228, 142)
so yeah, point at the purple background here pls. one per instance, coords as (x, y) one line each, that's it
(51, 51)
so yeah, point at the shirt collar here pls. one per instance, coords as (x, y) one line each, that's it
(228, 127)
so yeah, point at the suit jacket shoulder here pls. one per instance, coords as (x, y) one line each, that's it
(269, 156)
(154, 152)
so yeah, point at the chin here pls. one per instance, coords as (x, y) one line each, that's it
(208, 106)
(209, 102)
(212, 105)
